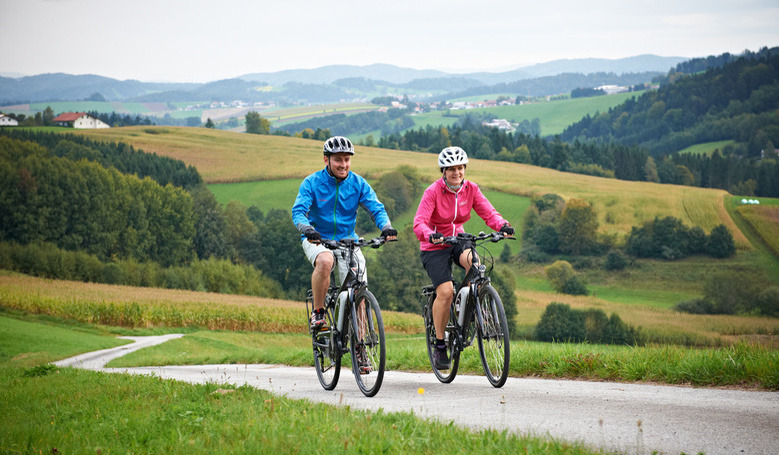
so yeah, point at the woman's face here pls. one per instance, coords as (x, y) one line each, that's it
(455, 175)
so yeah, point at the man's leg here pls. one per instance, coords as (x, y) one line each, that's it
(320, 278)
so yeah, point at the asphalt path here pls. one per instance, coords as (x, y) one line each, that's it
(626, 418)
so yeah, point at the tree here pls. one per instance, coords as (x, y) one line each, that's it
(650, 171)
(578, 227)
(720, 243)
(48, 116)
(210, 123)
(256, 124)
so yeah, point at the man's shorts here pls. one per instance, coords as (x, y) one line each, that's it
(341, 259)
(438, 263)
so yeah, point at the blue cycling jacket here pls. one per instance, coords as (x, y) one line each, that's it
(331, 206)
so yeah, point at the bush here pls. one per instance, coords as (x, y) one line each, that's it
(560, 323)
(615, 261)
(720, 243)
(532, 253)
(574, 286)
(564, 279)
(695, 306)
(768, 301)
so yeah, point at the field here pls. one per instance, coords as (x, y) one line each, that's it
(554, 115)
(764, 220)
(224, 157)
(707, 148)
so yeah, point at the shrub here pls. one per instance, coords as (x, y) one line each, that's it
(768, 301)
(560, 323)
(695, 306)
(615, 261)
(574, 286)
(564, 279)
(720, 243)
(532, 253)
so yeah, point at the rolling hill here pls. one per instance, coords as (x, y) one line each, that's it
(225, 157)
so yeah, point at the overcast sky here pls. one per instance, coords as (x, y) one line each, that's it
(201, 41)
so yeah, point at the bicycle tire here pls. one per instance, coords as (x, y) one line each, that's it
(493, 336)
(327, 359)
(444, 376)
(367, 332)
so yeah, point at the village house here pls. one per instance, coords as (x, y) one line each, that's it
(7, 121)
(79, 120)
(501, 124)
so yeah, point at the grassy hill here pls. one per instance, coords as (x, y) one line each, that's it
(225, 157)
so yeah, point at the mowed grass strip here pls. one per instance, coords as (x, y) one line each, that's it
(223, 157)
(135, 307)
(764, 220)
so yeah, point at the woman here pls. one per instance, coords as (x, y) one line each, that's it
(445, 206)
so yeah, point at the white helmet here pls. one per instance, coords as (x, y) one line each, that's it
(338, 144)
(451, 156)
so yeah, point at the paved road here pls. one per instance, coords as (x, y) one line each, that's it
(628, 418)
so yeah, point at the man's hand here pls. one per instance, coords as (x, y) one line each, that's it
(389, 234)
(507, 230)
(436, 237)
(312, 235)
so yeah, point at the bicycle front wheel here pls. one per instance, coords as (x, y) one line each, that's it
(444, 376)
(327, 359)
(493, 336)
(367, 340)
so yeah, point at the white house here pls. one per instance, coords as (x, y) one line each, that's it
(79, 120)
(7, 121)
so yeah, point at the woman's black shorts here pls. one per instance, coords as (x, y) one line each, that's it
(438, 263)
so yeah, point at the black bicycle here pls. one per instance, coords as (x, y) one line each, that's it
(476, 312)
(353, 324)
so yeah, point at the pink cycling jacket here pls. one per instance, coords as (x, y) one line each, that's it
(441, 210)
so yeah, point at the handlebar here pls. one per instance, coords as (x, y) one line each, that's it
(478, 238)
(346, 244)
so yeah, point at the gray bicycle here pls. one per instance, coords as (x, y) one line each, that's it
(476, 312)
(353, 325)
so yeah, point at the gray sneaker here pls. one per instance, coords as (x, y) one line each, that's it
(441, 359)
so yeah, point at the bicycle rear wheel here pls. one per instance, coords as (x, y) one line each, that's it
(493, 336)
(444, 376)
(367, 343)
(327, 359)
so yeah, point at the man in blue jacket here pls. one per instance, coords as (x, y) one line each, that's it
(326, 207)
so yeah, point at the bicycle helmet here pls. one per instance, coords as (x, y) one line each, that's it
(451, 156)
(338, 144)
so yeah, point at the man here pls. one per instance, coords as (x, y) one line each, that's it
(326, 206)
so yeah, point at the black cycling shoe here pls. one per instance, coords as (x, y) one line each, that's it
(441, 359)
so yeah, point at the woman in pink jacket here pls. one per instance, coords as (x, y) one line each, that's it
(445, 206)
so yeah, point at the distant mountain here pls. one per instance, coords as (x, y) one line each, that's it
(334, 83)
(397, 75)
(68, 87)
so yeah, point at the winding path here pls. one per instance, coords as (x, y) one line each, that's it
(628, 418)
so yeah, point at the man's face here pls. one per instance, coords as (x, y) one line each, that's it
(339, 164)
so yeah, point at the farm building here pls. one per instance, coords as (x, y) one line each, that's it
(79, 120)
(7, 121)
